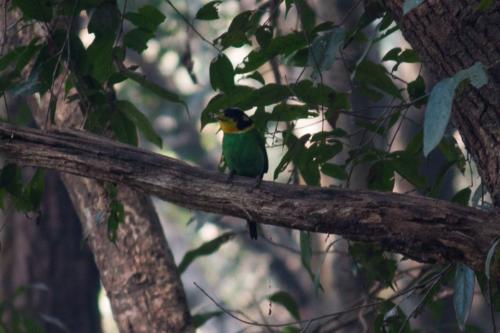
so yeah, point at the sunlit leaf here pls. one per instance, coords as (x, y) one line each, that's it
(209, 11)
(463, 293)
(408, 5)
(147, 17)
(440, 103)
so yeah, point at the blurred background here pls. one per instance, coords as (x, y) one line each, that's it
(42, 253)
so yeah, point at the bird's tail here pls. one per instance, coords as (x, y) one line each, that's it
(252, 227)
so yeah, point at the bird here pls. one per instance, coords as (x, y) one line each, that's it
(243, 149)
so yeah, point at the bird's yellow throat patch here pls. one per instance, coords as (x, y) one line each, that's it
(229, 126)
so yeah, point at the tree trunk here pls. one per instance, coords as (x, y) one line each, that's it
(451, 35)
(47, 251)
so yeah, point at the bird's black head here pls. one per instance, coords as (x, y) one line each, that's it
(233, 120)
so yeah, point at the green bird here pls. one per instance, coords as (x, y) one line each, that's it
(243, 148)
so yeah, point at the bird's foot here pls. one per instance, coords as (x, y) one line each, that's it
(230, 176)
(258, 181)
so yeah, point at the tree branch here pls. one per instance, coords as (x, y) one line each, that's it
(424, 229)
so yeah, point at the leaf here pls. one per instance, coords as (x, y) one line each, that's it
(489, 258)
(209, 11)
(290, 329)
(40, 10)
(147, 18)
(279, 45)
(203, 250)
(324, 50)
(381, 176)
(137, 39)
(222, 73)
(462, 197)
(411, 4)
(123, 128)
(105, 20)
(399, 56)
(155, 88)
(334, 170)
(416, 91)
(257, 77)
(306, 250)
(286, 300)
(485, 4)
(140, 120)
(295, 148)
(464, 293)
(375, 75)
(438, 110)
(201, 318)
(289, 112)
(100, 55)
(241, 25)
(264, 35)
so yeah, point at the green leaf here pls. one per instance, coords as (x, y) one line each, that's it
(105, 20)
(463, 293)
(381, 176)
(489, 258)
(222, 73)
(100, 55)
(123, 128)
(289, 112)
(334, 170)
(203, 250)
(40, 10)
(295, 148)
(264, 35)
(280, 45)
(209, 11)
(155, 88)
(137, 39)
(236, 35)
(290, 329)
(375, 75)
(11, 180)
(485, 4)
(407, 166)
(257, 77)
(306, 250)
(416, 91)
(306, 14)
(140, 120)
(462, 197)
(286, 300)
(147, 18)
(201, 318)
(408, 5)
(239, 97)
(324, 50)
(399, 56)
(438, 110)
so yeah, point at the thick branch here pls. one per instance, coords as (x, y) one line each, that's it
(425, 229)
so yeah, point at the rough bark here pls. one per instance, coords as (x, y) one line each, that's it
(138, 271)
(47, 250)
(451, 35)
(424, 229)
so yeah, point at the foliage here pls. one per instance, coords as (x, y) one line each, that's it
(280, 106)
